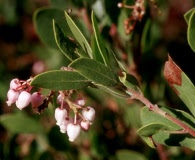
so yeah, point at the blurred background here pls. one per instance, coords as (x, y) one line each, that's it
(25, 135)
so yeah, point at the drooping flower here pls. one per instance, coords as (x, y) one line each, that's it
(73, 131)
(23, 100)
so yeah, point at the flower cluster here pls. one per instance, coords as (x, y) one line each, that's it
(20, 94)
(82, 119)
(136, 15)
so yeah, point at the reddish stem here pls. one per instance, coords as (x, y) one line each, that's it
(156, 109)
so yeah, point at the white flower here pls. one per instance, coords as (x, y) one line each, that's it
(80, 102)
(73, 131)
(15, 83)
(23, 100)
(60, 115)
(12, 96)
(88, 113)
(85, 125)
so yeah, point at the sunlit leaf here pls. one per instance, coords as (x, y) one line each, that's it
(20, 123)
(165, 131)
(101, 54)
(151, 129)
(95, 71)
(60, 80)
(78, 35)
(181, 84)
(191, 31)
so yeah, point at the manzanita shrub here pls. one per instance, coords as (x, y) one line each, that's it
(92, 64)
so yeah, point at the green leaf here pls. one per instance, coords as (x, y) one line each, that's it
(95, 71)
(60, 80)
(20, 123)
(129, 81)
(186, 92)
(117, 92)
(124, 154)
(78, 35)
(170, 139)
(101, 54)
(151, 129)
(188, 14)
(65, 44)
(42, 20)
(191, 31)
(181, 84)
(163, 131)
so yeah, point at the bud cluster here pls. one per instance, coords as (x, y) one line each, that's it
(19, 93)
(82, 119)
(136, 14)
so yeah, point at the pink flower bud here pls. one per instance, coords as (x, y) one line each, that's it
(23, 100)
(80, 102)
(73, 131)
(37, 99)
(85, 125)
(60, 115)
(60, 99)
(88, 113)
(12, 96)
(15, 83)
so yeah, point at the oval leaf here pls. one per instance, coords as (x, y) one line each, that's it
(65, 44)
(191, 31)
(78, 35)
(60, 80)
(20, 123)
(151, 129)
(95, 71)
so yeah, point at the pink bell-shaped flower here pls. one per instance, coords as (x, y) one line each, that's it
(60, 115)
(73, 131)
(88, 113)
(15, 83)
(80, 102)
(85, 125)
(37, 99)
(12, 96)
(23, 100)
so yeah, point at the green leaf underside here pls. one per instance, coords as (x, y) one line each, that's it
(114, 91)
(187, 93)
(191, 31)
(151, 129)
(164, 128)
(65, 44)
(20, 123)
(101, 54)
(60, 80)
(188, 14)
(78, 35)
(95, 71)
(42, 20)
